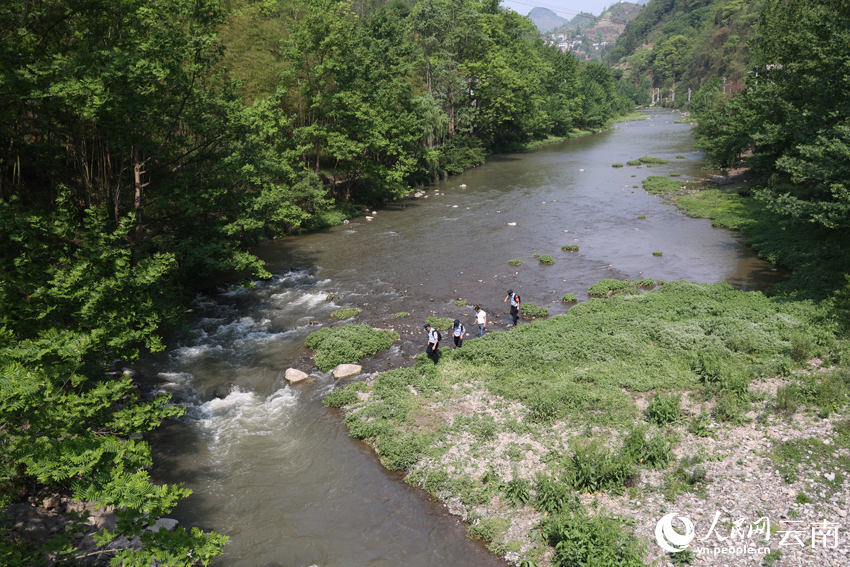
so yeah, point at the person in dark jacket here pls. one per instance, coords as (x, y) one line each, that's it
(433, 343)
(515, 305)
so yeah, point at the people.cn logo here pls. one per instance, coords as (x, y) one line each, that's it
(671, 540)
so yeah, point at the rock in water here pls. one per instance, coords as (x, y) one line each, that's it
(293, 375)
(347, 370)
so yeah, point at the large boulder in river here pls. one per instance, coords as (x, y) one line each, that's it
(347, 370)
(294, 376)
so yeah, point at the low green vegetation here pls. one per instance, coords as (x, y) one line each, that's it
(610, 286)
(660, 185)
(652, 160)
(546, 259)
(347, 344)
(658, 253)
(568, 298)
(402, 314)
(570, 247)
(535, 255)
(633, 162)
(439, 323)
(346, 312)
(531, 309)
(641, 216)
(515, 262)
(461, 302)
(616, 165)
(675, 174)
(680, 157)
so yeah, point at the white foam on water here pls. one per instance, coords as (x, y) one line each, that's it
(190, 353)
(232, 419)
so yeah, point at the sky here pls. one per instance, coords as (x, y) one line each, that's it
(564, 8)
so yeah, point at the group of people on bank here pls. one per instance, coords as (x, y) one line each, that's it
(459, 330)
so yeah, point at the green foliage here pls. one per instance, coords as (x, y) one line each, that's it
(344, 396)
(660, 185)
(531, 309)
(489, 529)
(684, 480)
(579, 539)
(461, 302)
(633, 162)
(515, 262)
(664, 409)
(440, 323)
(655, 452)
(399, 452)
(616, 165)
(517, 491)
(347, 344)
(658, 253)
(569, 298)
(535, 255)
(641, 217)
(608, 286)
(346, 312)
(570, 247)
(653, 160)
(594, 467)
(402, 314)
(675, 174)
(546, 259)
(552, 496)
(680, 157)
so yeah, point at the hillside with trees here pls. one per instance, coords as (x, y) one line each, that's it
(684, 42)
(592, 37)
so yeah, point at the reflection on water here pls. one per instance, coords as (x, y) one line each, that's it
(275, 470)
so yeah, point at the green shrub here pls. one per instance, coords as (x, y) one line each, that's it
(402, 314)
(675, 174)
(568, 298)
(650, 159)
(609, 286)
(344, 396)
(552, 496)
(346, 312)
(730, 408)
(680, 157)
(634, 187)
(400, 451)
(616, 165)
(641, 216)
(547, 259)
(489, 529)
(570, 247)
(461, 302)
(633, 162)
(515, 262)
(436, 482)
(655, 452)
(600, 541)
(664, 409)
(802, 346)
(517, 491)
(347, 344)
(595, 468)
(658, 253)
(440, 323)
(535, 255)
(660, 185)
(531, 309)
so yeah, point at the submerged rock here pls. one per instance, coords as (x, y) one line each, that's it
(347, 370)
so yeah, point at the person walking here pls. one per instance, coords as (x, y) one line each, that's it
(515, 305)
(433, 343)
(458, 331)
(480, 320)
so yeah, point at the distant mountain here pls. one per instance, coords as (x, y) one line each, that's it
(546, 20)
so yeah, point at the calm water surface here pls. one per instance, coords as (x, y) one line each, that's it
(277, 472)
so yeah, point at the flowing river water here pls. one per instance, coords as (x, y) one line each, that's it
(275, 470)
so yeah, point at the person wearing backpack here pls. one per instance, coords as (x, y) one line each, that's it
(515, 305)
(434, 339)
(458, 332)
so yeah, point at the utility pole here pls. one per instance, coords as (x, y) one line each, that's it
(689, 97)
(724, 86)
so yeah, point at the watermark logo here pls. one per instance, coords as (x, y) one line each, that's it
(797, 533)
(671, 540)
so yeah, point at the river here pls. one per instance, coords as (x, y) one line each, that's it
(275, 470)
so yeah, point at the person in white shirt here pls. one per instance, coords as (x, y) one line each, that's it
(458, 332)
(433, 343)
(480, 320)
